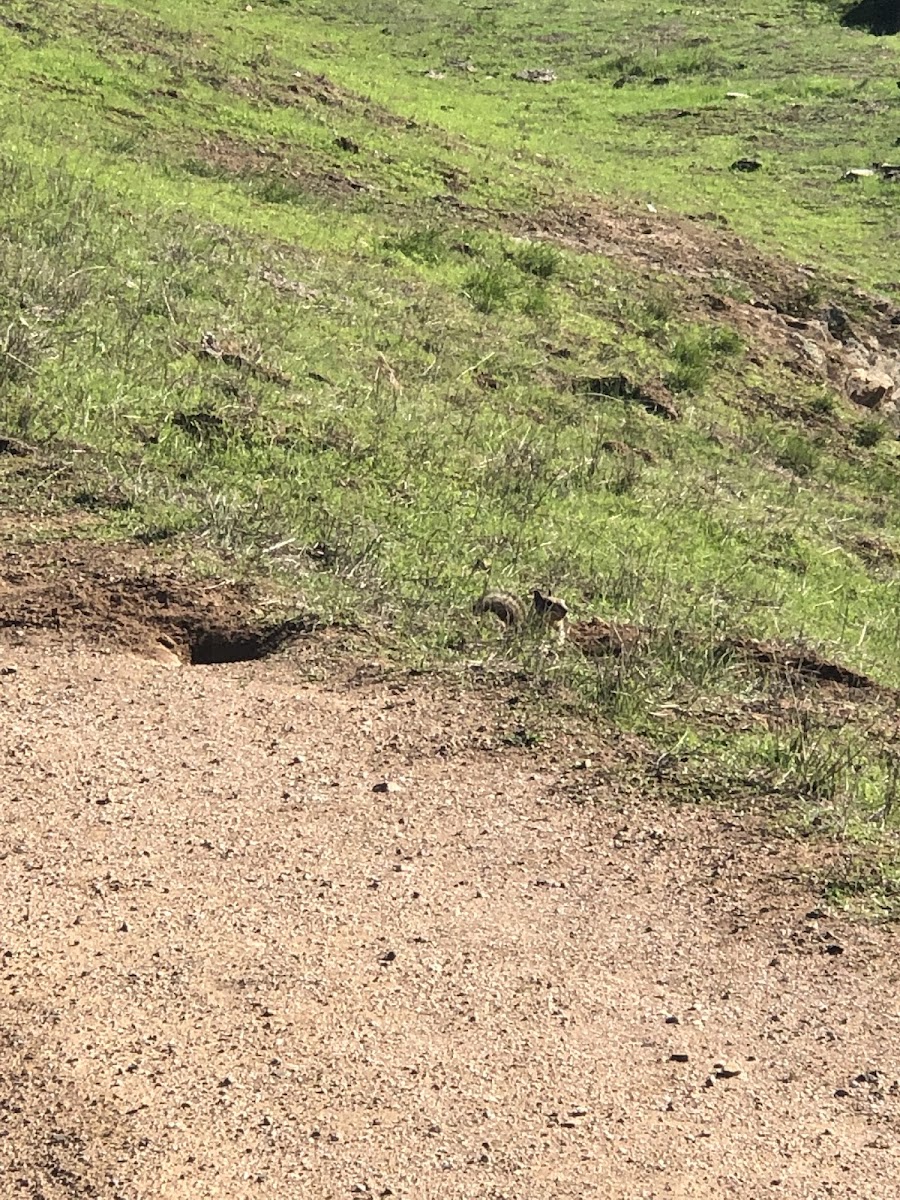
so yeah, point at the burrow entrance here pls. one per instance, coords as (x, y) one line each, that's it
(207, 647)
(117, 597)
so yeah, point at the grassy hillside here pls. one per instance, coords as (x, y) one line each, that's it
(433, 290)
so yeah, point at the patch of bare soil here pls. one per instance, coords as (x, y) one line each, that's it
(268, 933)
(85, 593)
(277, 164)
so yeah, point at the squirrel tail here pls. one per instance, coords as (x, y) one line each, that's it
(503, 606)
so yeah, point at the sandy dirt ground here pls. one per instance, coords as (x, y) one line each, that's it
(269, 931)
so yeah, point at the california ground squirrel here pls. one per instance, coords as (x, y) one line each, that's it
(544, 609)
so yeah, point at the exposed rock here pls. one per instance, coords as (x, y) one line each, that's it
(536, 75)
(871, 389)
(838, 324)
(813, 354)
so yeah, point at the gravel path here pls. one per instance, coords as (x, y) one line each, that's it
(268, 937)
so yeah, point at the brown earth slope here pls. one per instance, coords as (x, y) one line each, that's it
(270, 930)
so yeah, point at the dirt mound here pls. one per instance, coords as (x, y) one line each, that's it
(597, 638)
(797, 660)
(99, 594)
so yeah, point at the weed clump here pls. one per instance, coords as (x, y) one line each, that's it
(424, 245)
(538, 259)
(797, 454)
(696, 352)
(823, 405)
(489, 289)
(869, 433)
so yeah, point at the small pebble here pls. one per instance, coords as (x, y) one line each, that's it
(728, 1069)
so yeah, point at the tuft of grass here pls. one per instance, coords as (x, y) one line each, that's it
(823, 404)
(488, 288)
(424, 245)
(539, 259)
(869, 433)
(796, 453)
(696, 352)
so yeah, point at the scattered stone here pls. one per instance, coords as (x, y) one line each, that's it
(578, 1112)
(834, 948)
(536, 75)
(840, 1093)
(728, 1069)
(746, 164)
(679, 1058)
(673, 1020)
(227, 1082)
(387, 957)
(9, 670)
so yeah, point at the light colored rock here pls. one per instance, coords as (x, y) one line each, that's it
(728, 1069)
(813, 354)
(536, 75)
(870, 389)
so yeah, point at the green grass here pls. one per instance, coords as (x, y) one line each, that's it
(389, 239)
